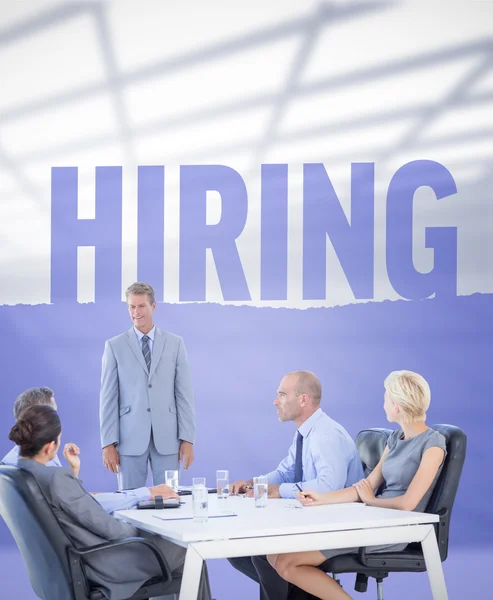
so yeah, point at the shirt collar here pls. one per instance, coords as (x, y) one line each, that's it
(307, 426)
(150, 335)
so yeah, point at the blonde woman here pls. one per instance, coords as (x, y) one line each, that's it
(409, 469)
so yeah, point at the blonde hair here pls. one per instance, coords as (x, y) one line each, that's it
(411, 392)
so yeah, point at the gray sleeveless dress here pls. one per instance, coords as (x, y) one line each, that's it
(398, 470)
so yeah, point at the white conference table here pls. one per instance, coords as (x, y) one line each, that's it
(278, 529)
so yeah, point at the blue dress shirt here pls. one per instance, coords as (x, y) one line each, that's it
(110, 501)
(330, 459)
(11, 459)
(150, 335)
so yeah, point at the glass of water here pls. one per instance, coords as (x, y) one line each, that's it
(171, 479)
(222, 484)
(119, 478)
(200, 503)
(260, 491)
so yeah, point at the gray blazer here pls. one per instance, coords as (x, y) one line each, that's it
(85, 523)
(133, 400)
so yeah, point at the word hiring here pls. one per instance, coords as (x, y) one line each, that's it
(353, 239)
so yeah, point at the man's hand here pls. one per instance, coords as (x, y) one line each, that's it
(71, 453)
(186, 453)
(308, 498)
(111, 458)
(162, 490)
(240, 487)
(273, 491)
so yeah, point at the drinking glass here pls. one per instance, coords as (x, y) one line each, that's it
(171, 479)
(119, 478)
(222, 484)
(260, 491)
(200, 503)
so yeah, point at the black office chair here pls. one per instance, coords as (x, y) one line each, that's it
(371, 444)
(54, 566)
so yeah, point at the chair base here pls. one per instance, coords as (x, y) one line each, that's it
(153, 587)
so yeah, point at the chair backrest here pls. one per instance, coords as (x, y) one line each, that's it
(371, 444)
(442, 499)
(41, 541)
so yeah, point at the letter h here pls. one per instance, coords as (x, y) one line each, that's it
(68, 233)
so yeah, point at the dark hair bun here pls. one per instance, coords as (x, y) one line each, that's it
(21, 433)
(37, 426)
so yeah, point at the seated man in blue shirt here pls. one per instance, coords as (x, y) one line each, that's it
(322, 457)
(109, 501)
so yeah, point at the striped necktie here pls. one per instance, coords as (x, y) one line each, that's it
(146, 351)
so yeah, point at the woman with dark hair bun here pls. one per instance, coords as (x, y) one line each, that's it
(41, 396)
(124, 569)
(38, 428)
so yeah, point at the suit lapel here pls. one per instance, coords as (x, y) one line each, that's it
(133, 342)
(157, 350)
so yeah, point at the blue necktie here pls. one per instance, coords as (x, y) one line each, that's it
(298, 465)
(146, 351)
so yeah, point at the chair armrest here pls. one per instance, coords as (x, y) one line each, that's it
(77, 554)
(362, 554)
(163, 563)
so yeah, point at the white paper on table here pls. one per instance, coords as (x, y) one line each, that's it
(174, 515)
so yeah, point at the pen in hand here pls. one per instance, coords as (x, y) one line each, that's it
(304, 495)
(301, 492)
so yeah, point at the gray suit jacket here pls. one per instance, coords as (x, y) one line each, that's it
(133, 400)
(85, 523)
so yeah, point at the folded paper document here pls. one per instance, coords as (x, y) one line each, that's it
(174, 516)
(186, 490)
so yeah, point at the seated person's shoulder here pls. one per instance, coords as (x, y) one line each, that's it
(435, 438)
(436, 435)
(331, 426)
(11, 457)
(329, 437)
(394, 437)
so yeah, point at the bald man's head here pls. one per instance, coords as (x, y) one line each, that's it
(298, 396)
(308, 383)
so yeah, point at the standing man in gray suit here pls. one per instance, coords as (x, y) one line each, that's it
(147, 410)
